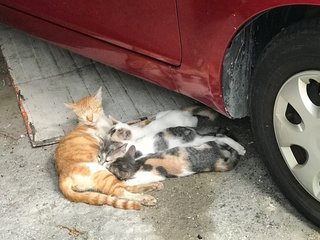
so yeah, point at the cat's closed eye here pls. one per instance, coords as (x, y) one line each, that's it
(112, 131)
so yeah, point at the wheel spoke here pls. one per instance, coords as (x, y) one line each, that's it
(308, 174)
(295, 93)
(290, 133)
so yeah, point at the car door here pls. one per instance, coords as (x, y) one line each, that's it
(148, 27)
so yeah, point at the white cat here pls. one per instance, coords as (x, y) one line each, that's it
(163, 120)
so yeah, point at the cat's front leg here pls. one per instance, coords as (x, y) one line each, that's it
(143, 188)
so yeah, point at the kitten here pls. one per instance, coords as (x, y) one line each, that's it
(81, 177)
(163, 120)
(169, 138)
(174, 162)
(199, 117)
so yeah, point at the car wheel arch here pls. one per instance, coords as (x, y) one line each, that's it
(245, 48)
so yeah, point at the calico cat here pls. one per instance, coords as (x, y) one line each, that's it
(174, 162)
(81, 177)
(169, 138)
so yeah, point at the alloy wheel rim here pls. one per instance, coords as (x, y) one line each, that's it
(296, 120)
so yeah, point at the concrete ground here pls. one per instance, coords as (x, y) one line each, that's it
(240, 204)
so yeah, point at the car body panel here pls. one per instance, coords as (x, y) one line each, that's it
(117, 57)
(206, 28)
(147, 27)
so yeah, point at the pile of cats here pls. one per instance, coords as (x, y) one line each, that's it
(104, 161)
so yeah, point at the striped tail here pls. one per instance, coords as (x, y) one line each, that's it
(95, 198)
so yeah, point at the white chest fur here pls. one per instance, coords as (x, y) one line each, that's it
(102, 127)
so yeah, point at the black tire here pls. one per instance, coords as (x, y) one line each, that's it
(294, 50)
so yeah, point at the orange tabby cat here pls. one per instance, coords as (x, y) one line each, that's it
(81, 178)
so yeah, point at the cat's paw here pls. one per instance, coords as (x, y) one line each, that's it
(148, 200)
(241, 150)
(158, 186)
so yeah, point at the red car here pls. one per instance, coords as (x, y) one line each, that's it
(240, 57)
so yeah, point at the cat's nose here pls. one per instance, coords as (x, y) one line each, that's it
(127, 134)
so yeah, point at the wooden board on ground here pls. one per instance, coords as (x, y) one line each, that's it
(46, 76)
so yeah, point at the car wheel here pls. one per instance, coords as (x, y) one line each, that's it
(285, 114)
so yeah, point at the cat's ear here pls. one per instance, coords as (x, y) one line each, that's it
(114, 121)
(98, 95)
(117, 153)
(70, 105)
(123, 148)
(107, 142)
(131, 151)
